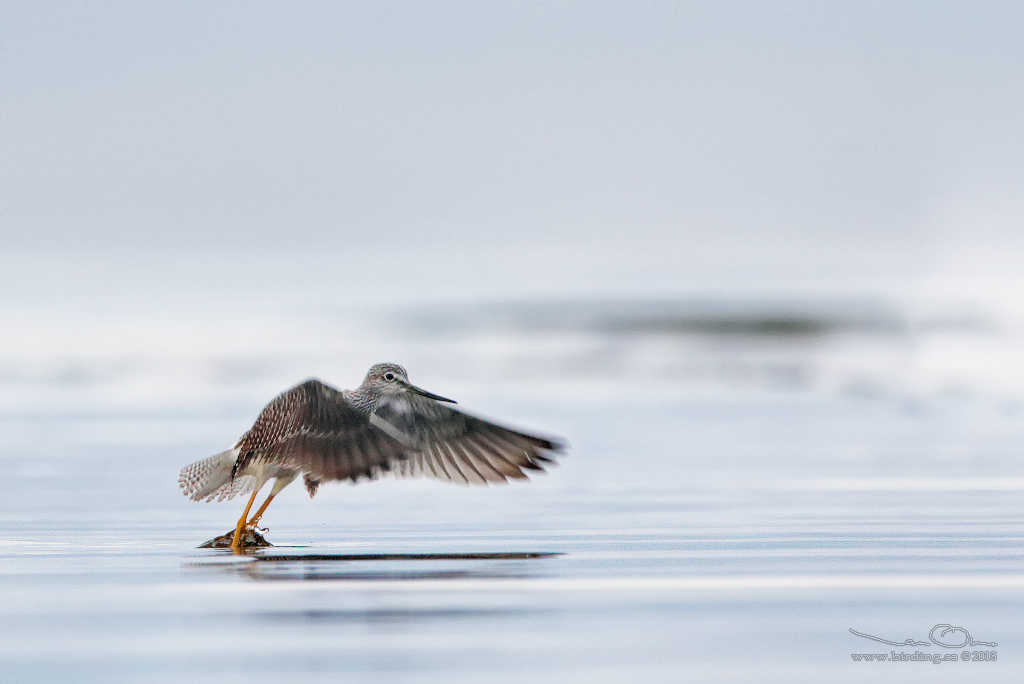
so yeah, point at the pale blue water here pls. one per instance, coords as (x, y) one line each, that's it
(740, 492)
(738, 540)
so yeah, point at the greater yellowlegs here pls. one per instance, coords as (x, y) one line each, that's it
(386, 425)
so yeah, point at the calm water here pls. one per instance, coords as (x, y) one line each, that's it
(728, 540)
(743, 489)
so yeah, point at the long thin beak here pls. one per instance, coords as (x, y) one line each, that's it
(425, 393)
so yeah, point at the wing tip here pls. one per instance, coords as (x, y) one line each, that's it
(554, 444)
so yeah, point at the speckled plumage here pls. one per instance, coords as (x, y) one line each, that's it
(210, 479)
(386, 426)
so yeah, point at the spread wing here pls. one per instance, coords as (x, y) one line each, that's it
(447, 444)
(314, 429)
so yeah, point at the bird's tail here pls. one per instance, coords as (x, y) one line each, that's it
(210, 478)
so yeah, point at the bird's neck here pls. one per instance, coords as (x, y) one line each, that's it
(361, 399)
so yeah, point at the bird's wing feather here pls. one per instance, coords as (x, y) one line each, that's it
(447, 444)
(314, 429)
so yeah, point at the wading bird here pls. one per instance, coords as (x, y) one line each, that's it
(386, 425)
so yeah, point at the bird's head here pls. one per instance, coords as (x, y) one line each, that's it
(389, 379)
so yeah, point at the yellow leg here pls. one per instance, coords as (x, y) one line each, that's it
(259, 513)
(236, 542)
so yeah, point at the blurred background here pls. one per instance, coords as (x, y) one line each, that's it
(745, 196)
(726, 248)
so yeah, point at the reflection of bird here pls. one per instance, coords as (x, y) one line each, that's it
(386, 425)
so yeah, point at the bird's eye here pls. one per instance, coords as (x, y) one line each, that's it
(389, 376)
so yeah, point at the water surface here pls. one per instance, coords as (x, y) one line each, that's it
(734, 502)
